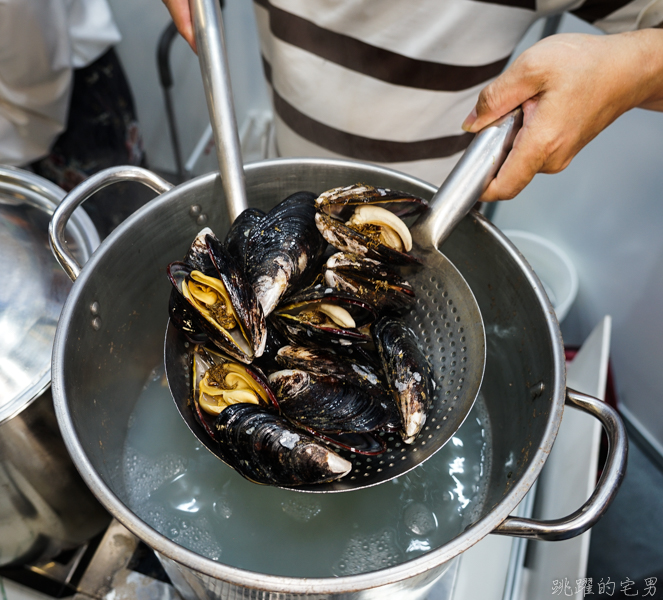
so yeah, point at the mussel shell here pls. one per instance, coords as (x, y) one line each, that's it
(286, 251)
(266, 448)
(408, 372)
(325, 361)
(349, 240)
(198, 254)
(251, 320)
(285, 319)
(340, 202)
(329, 404)
(371, 280)
(237, 239)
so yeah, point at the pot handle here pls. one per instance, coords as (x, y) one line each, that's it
(606, 489)
(62, 214)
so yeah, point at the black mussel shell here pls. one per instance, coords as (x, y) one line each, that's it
(275, 340)
(238, 236)
(286, 251)
(266, 448)
(408, 372)
(371, 280)
(349, 240)
(198, 254)
(329, 404)
(340, 202)
(325, 361)
(293, 318)
(248, 339)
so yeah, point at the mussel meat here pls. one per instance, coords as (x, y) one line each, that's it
(366, 221)
(218, 300)
(323, 316)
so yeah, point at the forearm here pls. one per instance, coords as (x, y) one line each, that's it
(649, 43)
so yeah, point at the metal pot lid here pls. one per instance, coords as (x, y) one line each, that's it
(34, 286)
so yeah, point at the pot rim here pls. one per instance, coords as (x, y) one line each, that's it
(299, 585)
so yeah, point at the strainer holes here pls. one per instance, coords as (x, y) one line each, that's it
(366, 474)
(438, 330)
(462, 338)
(457, 319)
(404, 457)
(461, 381)
(353, 477)
(445, 294)
(463, 370)
(438, 426)
(430, 436)
(461, 329)
(454, 309)
(464, 359)
(379, 470)
(450, 302)
(391, 464)
(429, 293)
(463, 349)
(450, 408)
(445, 418)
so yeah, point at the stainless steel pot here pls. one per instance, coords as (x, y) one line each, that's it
(110, 336)
(44, 505)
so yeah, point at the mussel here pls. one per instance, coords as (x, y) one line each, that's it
(324, 316)
(235, 406)
(265, 448)
(238, 235)
(217, 300)
(329, 404)
(408, 372)
(366, 221)
(285, 250)
(370, 280)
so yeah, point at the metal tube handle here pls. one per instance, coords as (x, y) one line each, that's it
(62, 214)
(467, 181)
(606, 489)
(208, 30)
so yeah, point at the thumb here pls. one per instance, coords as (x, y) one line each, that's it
(507, 92)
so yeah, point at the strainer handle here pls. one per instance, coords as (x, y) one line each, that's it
(208, 30)
(606, 489)
(62, 214)
(468, 180)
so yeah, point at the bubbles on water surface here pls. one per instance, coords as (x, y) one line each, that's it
(302, 507)
(419, 519)
(369, 553)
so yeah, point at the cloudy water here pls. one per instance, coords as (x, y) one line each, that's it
(175, 485)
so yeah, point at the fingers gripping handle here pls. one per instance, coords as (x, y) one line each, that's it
(61, 216)
(606, 489)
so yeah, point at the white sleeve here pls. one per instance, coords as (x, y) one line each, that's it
(638, 14)
(35, 77)
(92, 30)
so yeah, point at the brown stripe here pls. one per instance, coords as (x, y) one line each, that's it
(376, 62)
(595, 10)
(528, 4)
(360, 147)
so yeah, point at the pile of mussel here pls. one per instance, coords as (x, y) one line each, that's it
(299, 348)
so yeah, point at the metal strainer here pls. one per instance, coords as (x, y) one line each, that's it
(446, 319)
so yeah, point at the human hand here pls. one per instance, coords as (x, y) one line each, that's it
(571, 87)
(179, 10)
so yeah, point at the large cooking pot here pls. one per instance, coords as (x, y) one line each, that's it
(44, 505)
(110, 336)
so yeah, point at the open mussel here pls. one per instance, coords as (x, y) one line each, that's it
(331, 405)
(236, 408)
(285, 251)
(323, 316)
(408, 371)
(217, 300)
(370, 280)
(367, 221)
